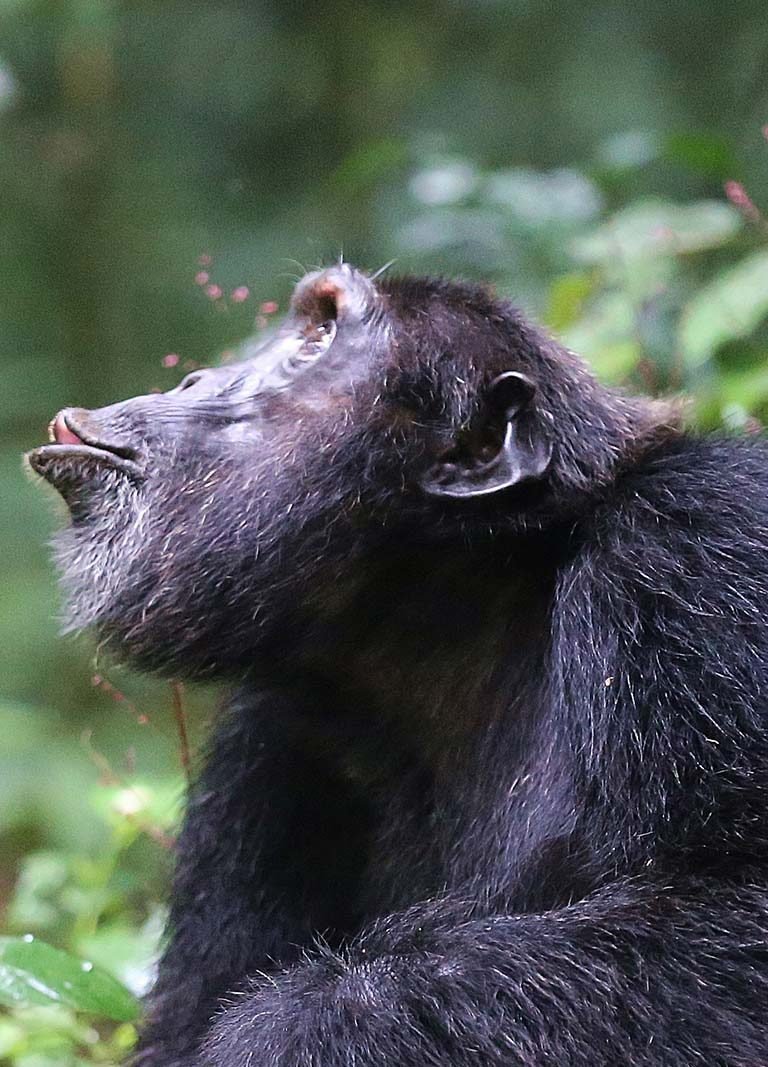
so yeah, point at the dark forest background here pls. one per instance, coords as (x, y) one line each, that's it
(167, 170)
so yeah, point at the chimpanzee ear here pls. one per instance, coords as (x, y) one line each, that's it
(508, 447)
(338, 292)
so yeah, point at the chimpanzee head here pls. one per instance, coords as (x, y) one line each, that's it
(203, 518)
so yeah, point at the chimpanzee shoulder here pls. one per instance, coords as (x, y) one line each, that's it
(708, 489)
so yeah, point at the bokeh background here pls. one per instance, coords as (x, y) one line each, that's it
(169, 167)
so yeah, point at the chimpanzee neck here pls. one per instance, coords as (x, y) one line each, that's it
(432, 641)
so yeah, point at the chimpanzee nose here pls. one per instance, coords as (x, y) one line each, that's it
(74, 426)
(79, 426)
(61, 433)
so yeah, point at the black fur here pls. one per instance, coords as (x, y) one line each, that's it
(493, 789)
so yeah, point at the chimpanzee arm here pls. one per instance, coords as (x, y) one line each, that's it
(636, 974)
(241, 903)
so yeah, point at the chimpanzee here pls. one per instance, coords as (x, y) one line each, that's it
(492, 788)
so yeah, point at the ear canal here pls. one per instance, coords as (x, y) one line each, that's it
(511, 392)
(524, 454)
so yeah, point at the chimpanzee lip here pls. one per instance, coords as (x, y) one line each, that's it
(60, 463)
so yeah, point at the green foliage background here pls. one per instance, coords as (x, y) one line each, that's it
(603, 163)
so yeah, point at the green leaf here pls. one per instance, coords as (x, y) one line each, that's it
(730, 307)
(605, 336)
(567, 296)
(705, 153)
(11, 1037)
(34, 973)
(129, 951)
(36, 901)
(654, 228)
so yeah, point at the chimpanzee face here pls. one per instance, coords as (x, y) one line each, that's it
(201, 515)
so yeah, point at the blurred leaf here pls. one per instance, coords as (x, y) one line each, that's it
(749, 388)
(538, 198)
(605, 336)
(654, 228)
(703, 152)
(629, 149)
(130, 952)
(11, 1037)
(567, 295)
(32, 972)
(158, 804)
(35, 904)
(124, 1037)
(51, 1032)
(367, 164)
(615, 362)
(445, 182)
(444, 228)
(731, 306)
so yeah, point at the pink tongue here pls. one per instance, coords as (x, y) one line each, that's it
(63, 434)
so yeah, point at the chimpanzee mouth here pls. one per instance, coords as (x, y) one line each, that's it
(74, 454)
